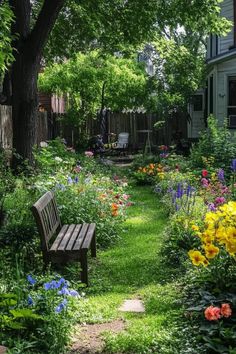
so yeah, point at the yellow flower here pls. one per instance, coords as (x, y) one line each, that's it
(211, 251)
(196, 257)
(195, 228)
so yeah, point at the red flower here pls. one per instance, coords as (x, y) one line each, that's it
(204, 173)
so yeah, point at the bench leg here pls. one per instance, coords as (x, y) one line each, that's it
(84, 266)
(94, 246)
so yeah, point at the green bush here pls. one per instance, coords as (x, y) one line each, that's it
(215, 147)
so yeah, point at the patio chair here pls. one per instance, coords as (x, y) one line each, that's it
(122, 144)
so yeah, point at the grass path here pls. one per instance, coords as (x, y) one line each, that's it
(131, 269)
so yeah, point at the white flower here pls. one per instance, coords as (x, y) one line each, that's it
(58, 159)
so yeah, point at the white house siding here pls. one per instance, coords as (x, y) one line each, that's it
(227, 10)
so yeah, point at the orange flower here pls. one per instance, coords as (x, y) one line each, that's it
(151, 166)
(114, 213)
(226, 310)
(212, 313)
(114, 206)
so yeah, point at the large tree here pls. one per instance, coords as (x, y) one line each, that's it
(81, 25)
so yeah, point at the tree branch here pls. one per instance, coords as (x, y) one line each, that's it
(44, 24)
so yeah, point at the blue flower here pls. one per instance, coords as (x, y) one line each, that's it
(76, 180)
(61, 306)
(63, 282)
(64, 291)
(47, 286)
(31, 280)
(73, 293)
(30, 300)
(233, 165)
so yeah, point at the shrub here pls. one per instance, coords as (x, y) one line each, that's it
(215, 147)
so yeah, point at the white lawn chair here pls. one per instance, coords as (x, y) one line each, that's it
(122, 144)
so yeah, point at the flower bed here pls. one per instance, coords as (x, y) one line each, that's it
(200, 240)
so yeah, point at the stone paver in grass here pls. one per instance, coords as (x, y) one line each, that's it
(132, 306)
(3, 349)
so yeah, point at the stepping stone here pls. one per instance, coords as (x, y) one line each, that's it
(132, 306)
(3, 349)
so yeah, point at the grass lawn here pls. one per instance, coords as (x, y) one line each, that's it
(132, 269)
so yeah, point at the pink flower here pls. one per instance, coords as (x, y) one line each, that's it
(220, 200)
(125, 196)
(205, 182)
(88, 153)
(226, 310)
(212, 313)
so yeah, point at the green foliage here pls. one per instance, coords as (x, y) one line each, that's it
(215, 144)
(6, 19)
(120, 26)
(86, 77)
(7, 182)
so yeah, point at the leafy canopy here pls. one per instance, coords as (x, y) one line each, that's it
(85, 77)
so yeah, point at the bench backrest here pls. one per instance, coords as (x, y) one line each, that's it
(47, 218)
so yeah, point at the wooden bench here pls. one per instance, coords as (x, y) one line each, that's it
(61, 244)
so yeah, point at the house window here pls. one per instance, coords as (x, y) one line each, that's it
(211, 95)
(232, 101)
(213, 45)
(197, 103)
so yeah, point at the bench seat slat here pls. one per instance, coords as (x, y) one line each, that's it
(66, 238)
(73, 237)
(89, 236)
(80, 238)
(59, 238)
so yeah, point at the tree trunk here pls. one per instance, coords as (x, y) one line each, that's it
(29, 46)
(24, 106)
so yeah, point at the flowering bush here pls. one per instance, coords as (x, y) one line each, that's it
(219, 232)
(147, 173)
(38, 311)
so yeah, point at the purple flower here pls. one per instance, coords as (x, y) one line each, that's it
(221, 175)
(61, 306)
(180, 191)
(211, 207)
(69, 180)
(233, 165)
(76, 180)
(31, 280)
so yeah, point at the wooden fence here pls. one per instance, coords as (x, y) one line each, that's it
(50, 125)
